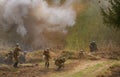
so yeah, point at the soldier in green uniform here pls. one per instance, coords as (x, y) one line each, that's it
(60, 62)
(16, 51)
(93, 46)
(46, 55)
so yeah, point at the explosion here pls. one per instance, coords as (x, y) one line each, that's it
(35, 21)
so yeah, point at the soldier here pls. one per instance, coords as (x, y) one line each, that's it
(81, 54)
(93, 46)
(16, 51)
(46, 55)
(9, 58)
(60, 62)
(23, 57)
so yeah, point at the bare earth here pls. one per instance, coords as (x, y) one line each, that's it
(72, 67)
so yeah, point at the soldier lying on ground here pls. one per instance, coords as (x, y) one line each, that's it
(60, 62)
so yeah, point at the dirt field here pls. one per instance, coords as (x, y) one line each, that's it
(73, 68)
(113, 71)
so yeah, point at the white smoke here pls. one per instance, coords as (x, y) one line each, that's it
(35, 16)
(21, 30)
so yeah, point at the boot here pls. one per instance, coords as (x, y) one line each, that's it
(15, 65)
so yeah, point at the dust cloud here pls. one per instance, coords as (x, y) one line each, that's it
(35, 22)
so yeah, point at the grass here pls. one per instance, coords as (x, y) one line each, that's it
(92, 71)
(89, 26)
(87, 71)
(108, 70)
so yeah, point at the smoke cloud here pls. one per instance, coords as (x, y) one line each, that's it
(38, 23)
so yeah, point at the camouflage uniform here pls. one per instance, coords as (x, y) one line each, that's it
(16, 55)
(93, 46)
(46, 54)
(60, 62)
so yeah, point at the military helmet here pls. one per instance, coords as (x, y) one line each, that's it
(17, 44)
(81, 50)
(10, 51)
(48, 49)
(63, 57)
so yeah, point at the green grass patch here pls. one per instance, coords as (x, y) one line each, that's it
(87, 71)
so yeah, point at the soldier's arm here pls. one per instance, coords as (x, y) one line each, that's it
(43, 53)
(20, 49)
